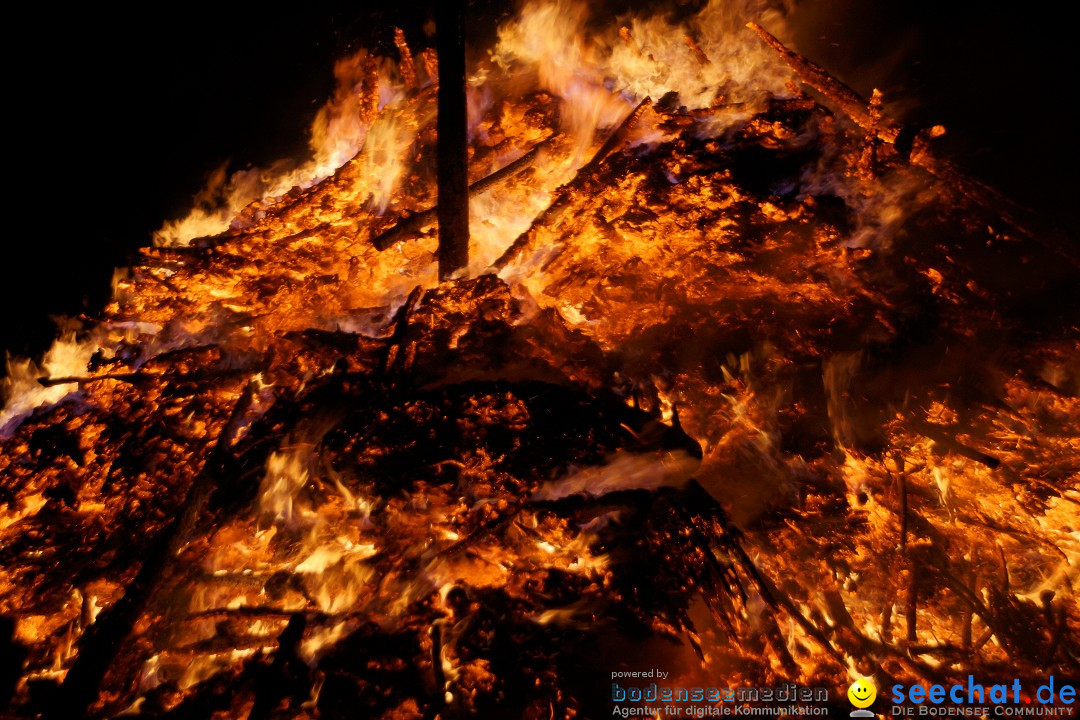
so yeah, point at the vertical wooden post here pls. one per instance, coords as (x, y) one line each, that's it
(452, 156)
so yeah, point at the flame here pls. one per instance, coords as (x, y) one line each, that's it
(341, 128)
(67, 357)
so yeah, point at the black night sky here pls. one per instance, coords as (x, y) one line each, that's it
(115, 117)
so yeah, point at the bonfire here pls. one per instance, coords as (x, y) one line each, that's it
(727, 379)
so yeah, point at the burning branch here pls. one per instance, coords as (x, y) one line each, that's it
(408, 70)
(414, 224)
(913, 144)
(850, 102)
(698, 53)
(556, 211)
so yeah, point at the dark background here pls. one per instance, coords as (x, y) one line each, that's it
(116, 118)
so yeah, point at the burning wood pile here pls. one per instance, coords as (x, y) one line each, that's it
(736, 383)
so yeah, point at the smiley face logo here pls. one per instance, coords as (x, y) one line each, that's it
(862, 693)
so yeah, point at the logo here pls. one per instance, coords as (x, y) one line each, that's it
(862, 694)
(977, 700)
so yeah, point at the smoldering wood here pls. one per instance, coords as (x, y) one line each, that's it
(911, 606)
(287, 674)
(408, 70)
(850, 102)
(696, 50)
(397, 338)
(138, 378)
(942, 437)
(435, 633)
(901, 484)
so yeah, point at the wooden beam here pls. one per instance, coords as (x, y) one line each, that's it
(453, 151)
